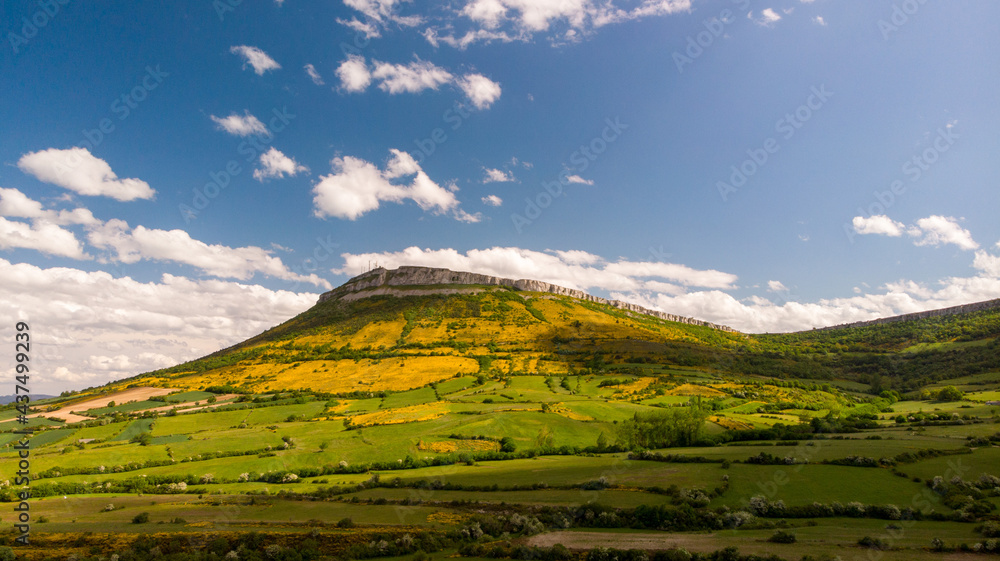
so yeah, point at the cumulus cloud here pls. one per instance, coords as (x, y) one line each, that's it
(878, 224)
(357, 187)
(480, 90)
(258, 59)
(942, 230)
(494, 175)
(131, 245)
(16, 204)
(818, 20)
(776, 286)
(414, 77)
(475, 21)
(987, 263)
(934, 230)
(354, 74)
(313, 74)
(274, 164)
(42, 236)
(768, 17)
(492, 200)
(137, 326)
(240, 125)
(579, 180)
(78, 170)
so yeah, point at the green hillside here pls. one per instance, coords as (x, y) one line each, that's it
(482, 419)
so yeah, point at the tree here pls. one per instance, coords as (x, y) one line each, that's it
(950, 393)
(507, 444)
(602, 441)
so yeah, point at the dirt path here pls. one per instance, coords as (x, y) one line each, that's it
(619, 540)
(134, 394)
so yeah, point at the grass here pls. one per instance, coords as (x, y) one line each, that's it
(135, 428)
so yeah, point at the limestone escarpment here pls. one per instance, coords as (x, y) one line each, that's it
(379, 281)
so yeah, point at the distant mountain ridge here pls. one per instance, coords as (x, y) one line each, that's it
(954, 310)
(382, 281)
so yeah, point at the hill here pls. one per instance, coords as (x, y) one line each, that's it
(463, 414)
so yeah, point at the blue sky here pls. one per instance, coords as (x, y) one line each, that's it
(769, 165)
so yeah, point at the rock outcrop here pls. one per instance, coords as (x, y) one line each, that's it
(963, 309)
(426, 280)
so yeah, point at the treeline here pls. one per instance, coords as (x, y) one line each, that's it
(677, 426)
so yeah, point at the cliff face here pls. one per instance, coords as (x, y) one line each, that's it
(378, 281)
(964, 309)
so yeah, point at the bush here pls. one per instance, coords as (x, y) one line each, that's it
(782, 536)
(873, 543)
(141, 518)
(345, 523)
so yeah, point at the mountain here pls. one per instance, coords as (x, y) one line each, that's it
(5, 399)
(394, 330)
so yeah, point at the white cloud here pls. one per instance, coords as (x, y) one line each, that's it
(417, 76)
(414, 77)
(354, 74)
(85, 322)
(942, 230)
(934, 230)
(313, 75)
(274, 164)
(356, 187)
(258, 59)
(78, 170)
(579, 180)
(520, 20)
(240, 125)
(18, 205)
(370, 30)
(989, 264)
(768, 17)
(131, 245)
(818, 20)
(480, 90)
(42, 236)
(776, 286)
(494, 175)
(878, 224)
(492, 200)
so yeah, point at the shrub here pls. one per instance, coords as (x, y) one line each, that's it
(141, 518)
(782, 536)
(873, 543)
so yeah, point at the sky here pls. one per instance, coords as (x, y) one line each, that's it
(179, 177)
